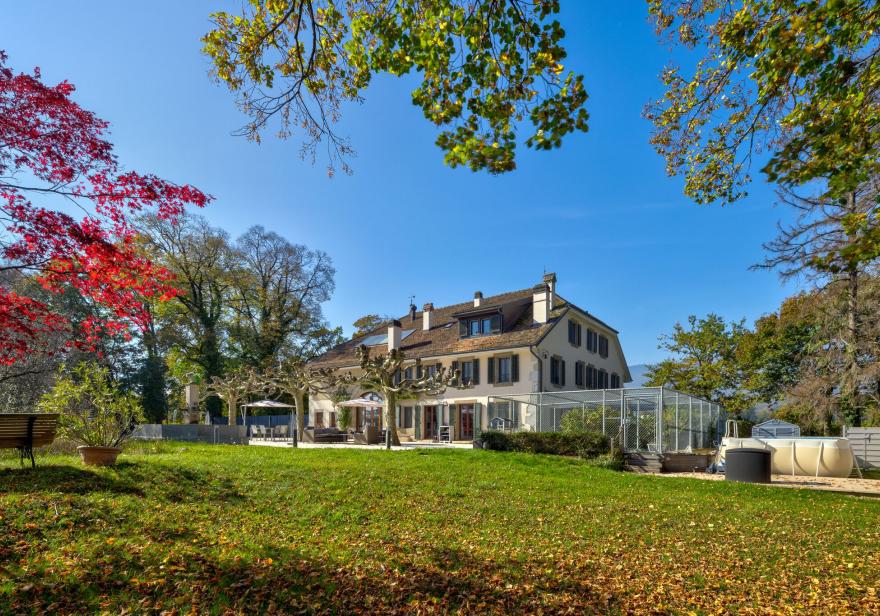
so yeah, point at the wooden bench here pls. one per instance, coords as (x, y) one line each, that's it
(24, 431)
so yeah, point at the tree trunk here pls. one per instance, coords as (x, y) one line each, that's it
(300, 400)
(850, 381)
(233, 410)
(391, 419)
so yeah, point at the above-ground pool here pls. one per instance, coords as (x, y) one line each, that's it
(814, 456)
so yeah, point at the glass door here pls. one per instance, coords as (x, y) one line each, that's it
(465, 422)
(430, 413)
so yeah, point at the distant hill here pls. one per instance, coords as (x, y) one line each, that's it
(639, 375)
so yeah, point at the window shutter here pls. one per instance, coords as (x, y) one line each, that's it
(476, 379)
(580, 332)
(562, 373)
(495, 323)
(418, 421)
(419, 371)
(438, 367)
(478, 421)
(490, 376)
(514, 368)
(451, 419)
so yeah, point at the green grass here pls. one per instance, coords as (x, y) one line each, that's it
(225, 529)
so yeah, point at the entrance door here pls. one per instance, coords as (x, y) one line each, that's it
(430, 413)
(466, 422)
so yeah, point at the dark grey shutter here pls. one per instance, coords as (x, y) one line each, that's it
(580, 333)
(476, 379)
(452, 421)
(438, 367)
(418, 422)
(562, 373)
(478, 421)
(490, 375)
(514, 369)
(419, 371)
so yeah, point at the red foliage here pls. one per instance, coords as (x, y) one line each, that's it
(51, 148)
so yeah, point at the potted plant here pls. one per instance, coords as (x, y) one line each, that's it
(93, 411)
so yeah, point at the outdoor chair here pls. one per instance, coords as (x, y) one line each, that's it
(370, 436)
(258, 431)
(281, 431)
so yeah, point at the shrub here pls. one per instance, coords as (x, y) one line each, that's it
(343, 418)
(92, 410)
(585, 419)
(582, 444)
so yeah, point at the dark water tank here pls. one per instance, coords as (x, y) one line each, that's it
(748, 465)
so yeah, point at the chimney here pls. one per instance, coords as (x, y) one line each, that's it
(540, 303)
(478, 299)
(550, 281)
(427, 313)
(394, 335)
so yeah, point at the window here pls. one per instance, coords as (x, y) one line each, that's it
(602, 378)
(615, 381)
(332, 420)
(590, 377)
(579, 373)
(574, 333)
(480, 326)
(503, 369)
(431, 370)
(408, 373)
(406, 419)
(603, 346)
(319, 419)
(591, 341)
(557, 371)
(470, 372)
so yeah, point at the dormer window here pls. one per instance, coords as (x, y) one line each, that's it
(484, 325)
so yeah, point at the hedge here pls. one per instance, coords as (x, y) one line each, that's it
(583, 444)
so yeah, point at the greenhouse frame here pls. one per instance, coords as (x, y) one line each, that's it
(655, 419)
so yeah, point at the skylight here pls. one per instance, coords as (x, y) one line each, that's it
(383, 338)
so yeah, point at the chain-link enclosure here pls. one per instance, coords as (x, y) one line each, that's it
(642, 419)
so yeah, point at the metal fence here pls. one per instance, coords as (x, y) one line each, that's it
(865, 443)
(644, 419)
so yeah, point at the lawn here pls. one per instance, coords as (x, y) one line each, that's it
(220, 529)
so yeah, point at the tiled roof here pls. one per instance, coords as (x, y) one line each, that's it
(443, 338)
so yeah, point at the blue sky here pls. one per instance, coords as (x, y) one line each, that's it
(600, 212)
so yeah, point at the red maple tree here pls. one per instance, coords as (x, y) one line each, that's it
(52, 151)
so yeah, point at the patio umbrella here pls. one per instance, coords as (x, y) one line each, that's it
(366, 402)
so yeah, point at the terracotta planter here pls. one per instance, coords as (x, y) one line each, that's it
(98, 456)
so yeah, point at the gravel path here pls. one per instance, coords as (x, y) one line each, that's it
(868, 487)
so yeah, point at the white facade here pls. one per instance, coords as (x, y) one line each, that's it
(418, 419)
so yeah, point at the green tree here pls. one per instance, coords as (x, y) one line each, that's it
(277, 291)
(705, 362)
(368, 323)
(772, 354)
(795, 83)
(486, 66)
(200, 258)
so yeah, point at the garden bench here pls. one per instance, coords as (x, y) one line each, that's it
(24, 431)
